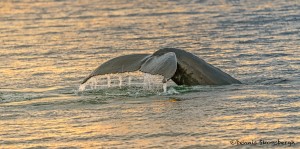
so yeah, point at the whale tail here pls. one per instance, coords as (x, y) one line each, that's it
(183, 67)
(164, 65)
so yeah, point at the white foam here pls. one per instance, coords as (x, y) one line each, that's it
(81, 87)
(165, 87)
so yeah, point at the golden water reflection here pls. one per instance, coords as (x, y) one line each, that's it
(47, 48)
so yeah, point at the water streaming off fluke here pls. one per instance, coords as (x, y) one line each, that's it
(142, 80)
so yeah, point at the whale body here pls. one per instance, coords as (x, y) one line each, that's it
(183, 67)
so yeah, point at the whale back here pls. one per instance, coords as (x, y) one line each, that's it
(192, 70)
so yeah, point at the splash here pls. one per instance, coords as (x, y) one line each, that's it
(142, 80)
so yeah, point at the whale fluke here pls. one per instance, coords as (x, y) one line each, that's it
(193, 70)
(165, 65)
(183, 67)
(126, 63)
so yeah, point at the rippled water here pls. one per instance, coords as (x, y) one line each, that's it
(48, 47)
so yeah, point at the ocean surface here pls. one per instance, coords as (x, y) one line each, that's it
(47, 47)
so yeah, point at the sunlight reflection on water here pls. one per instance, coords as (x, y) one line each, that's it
(48, 47)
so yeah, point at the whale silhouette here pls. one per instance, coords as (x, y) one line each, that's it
(183, 67)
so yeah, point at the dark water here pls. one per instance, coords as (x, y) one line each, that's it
(48, 47)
